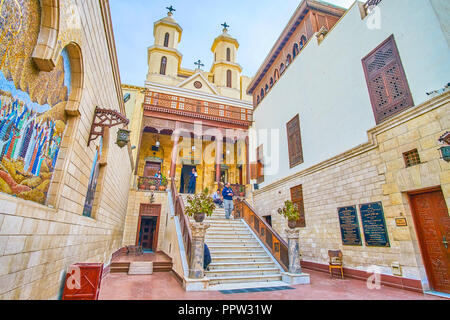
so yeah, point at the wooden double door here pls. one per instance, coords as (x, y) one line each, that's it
(432, 223)
(148, 226)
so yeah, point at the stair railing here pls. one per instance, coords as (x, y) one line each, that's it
(269, 237)
(178, 205)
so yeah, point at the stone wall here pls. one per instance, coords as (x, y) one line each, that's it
(39, 242)
(369, 173)
(137, 198)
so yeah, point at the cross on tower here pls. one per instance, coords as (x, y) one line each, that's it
(225, 26)
(171, 9)
(199, 64)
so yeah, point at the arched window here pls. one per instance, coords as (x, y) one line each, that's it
(276, 75)
(295, 50)
(228, 54)
(258, 100)
(282, 68)
(229, 79)
(162, 70)
(267, 88)
(288, 60)
(302, 42)
(262, 93)
(166, 40)
(271, 82)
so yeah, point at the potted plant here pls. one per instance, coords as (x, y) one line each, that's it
(152, 184)
(199, 206)
(163, 185)
(242, 191)
(291, 213)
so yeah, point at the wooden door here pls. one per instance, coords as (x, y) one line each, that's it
(148, 227)
(147, 233)
(433, 230)
(151, 168)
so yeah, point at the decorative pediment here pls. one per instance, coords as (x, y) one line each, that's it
(198, 82)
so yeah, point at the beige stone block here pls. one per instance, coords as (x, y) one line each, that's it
(8, 206)
(11, 225)
(396, 199)
(390, 144)
(395, 165)
(402, 234)
(15, 244)
(5, 261)
(390, 189)
(408, 137)
(430, 129)
(445, 177)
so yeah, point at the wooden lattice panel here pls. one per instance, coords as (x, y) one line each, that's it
(388, 87)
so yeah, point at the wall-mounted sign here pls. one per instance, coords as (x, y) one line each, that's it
(401, 222)
(374, 225)
(350, 232)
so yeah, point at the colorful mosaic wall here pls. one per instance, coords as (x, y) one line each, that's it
(32, 105)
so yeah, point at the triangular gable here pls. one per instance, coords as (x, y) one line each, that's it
(206, 86)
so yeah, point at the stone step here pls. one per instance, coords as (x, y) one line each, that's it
(241, 272)
(243, 247)
(239, 253)
(244, 279)
(230, 233)
(241, 265)
(240, 259)
(232, 242)
(218, 237)
(228, 228)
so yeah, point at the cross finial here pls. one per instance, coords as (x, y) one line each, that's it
(225, 26)
(171, 10)
(199, 64)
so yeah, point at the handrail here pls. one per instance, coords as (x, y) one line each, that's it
(178, 206)
(269, 237)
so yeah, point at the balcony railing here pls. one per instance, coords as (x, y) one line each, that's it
(197, 109)
(149, 183)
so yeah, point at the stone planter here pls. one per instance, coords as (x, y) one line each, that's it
(199, 217)
(292, 224)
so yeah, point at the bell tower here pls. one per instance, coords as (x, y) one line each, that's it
(226, 71)
(164, 59)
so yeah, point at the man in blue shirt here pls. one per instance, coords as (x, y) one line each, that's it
(228, 195)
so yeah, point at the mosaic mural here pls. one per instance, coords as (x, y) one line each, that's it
(32, 105)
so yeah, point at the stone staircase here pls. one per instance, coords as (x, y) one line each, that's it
(238, 259)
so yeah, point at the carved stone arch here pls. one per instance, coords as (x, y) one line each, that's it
(73, 120)
(44, 52)
(77, 79)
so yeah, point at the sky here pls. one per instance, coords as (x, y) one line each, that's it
(256, 24)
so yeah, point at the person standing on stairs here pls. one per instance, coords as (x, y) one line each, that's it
(192, 182)
(228, 195)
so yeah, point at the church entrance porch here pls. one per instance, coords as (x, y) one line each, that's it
(185, 177)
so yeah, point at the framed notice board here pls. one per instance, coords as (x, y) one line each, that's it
(350, 232)
(374, 225)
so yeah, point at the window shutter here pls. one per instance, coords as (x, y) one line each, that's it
(294, 142)
(297, 198)
(388, 87)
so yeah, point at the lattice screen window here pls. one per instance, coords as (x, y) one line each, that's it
(388, 87)
(412, 158)
(294, 142)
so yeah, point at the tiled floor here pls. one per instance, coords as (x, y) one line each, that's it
(164, 286)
